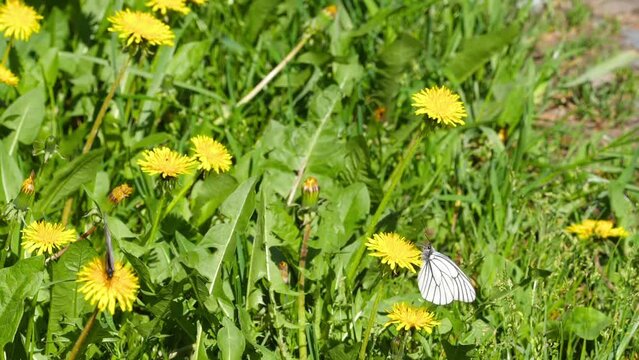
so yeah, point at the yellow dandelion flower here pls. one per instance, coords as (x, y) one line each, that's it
(168, 5)
(441, 105)
(8, 77)
(99, 289)
(18, 21)
(120, 193)
(602, 229)
(211, 154)
(43, 237)
(409, 317)
(165, 162)
(140, 28)
(394, 250)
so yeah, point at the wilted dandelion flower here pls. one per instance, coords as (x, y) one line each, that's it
(596, 228)
(394, 250)
(165, 162)
(168, 5)
(120, 193)
(28, 185)
(43, 237)
(140, 28)
(211, 154)
(99, 289)
(440, 104)
(409, 317)
(18, 21)
(8, 77)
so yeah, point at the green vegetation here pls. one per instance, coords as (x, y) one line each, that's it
(551, 139)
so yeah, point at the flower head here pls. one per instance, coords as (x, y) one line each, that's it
(140, 28)
(211, 154)
(165, 5)
(409, 317)
(165, 162)
(394, 250)
(602, 229)
(18, 21)
(8, 77)
(120, 193)
(440, 104)
(43, 237)
(98, 288)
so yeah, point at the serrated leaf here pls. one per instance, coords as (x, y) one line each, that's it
(238, 208)
(230, 340)
(17, 283)
(25, 116)
(70, 178)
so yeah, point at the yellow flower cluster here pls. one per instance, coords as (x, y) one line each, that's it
(18, 21)
(602, 229)
(394, 250)
(208, 155)
(43, 237)
(106, 291)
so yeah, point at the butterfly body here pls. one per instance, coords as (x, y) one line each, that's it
(441, 281)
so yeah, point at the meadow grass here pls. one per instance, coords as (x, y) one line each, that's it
(551, 139)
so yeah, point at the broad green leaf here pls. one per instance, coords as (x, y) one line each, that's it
(620, 60)
(25, 116)
(187, 59)
(230, 340)
(67, 305)
(477, 51)
(17, 283)
(457, 352)
(70, 178)
(207, 195)
(10, 175)
(238, 208)
(401, 52)
(257, 15)
(586, 322)
(257, 263)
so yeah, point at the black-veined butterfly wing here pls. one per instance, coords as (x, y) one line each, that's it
(441, 281)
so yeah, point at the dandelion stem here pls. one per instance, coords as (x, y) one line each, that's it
(395, 177)
(301, 309)
(371, 321)
(180, 195)
(7, 50)
(105, 106)
(83, 336)
(276, 70)
(159, 211)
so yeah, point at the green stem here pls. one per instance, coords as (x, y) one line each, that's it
(371, 321)
(7, 50)
(395, 178)
(105, 106)
(83, 336)
(181, 194)
(30, 329)
(159, 211)
(301, 308)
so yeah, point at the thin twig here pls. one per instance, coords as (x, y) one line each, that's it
(85, 235)
(276, 70)
(83, 336)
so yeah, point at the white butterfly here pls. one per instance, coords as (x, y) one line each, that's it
(441, 281)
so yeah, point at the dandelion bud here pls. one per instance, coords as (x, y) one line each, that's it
(120, 193)
(310, 192)
(283, 266)
(27, 190)
(331, 11)
(50, 148)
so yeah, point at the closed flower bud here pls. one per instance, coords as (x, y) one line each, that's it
(23, 200)
(310, 192)
(120, 193)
